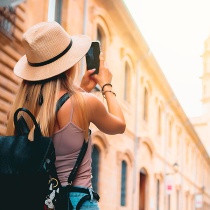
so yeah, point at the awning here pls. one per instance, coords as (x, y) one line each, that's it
(12, 3)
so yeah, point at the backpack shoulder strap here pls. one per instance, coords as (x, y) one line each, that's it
(81, 155)
(62, 100)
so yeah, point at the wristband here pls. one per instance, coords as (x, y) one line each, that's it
(103, 93)
(107, 84)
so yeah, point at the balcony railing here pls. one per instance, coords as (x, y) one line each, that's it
(7, 21)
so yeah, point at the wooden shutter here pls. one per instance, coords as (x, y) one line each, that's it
(10, 52)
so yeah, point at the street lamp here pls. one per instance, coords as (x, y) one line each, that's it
(175, 167)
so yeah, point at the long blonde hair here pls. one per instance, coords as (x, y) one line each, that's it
(30, 93)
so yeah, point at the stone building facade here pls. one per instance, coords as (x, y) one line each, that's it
(159, 162)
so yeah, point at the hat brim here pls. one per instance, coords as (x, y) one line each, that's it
(80, 46)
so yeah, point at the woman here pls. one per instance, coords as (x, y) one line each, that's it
(48, 70)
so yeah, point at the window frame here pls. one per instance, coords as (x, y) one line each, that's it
(146, 105)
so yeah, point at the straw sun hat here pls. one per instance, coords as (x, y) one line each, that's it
(49, 51)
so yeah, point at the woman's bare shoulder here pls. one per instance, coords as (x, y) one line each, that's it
(90, 97)
(93, 104)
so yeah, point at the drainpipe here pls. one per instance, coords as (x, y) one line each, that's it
(195, 179)
(84, 31)
(51, 10)
(182, 173)
(136, 133)
(85, 17)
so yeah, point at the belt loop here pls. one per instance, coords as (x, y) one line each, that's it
(91, 194)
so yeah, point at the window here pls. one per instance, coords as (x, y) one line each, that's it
(178, 144)
(169, 202)
(58, 11)
(123, 183)
(159, 123)
(95, 167)
(158, 195)
(177, 200)
(204, 90)
(187, 154)
(127, 83)
(186, 202)
(146, 104)
(170, 133)
(101, 37)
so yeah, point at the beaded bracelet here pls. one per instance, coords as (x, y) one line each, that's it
(107, 84)
(103, 93)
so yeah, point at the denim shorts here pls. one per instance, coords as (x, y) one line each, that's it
(89, 204)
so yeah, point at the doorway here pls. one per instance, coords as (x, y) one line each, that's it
(143, 189)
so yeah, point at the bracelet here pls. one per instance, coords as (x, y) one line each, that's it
(107, 84)
(103, 93)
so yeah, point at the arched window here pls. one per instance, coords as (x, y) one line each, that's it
(159, 121)
(187, 154)
(170, 133)
(95, 167)
(146, 104)
(123, 183)
(178, 144)
(101, 37)
(127, 82)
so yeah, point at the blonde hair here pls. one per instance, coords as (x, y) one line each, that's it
(30, 93)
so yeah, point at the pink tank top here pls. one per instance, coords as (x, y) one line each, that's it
(68, 142)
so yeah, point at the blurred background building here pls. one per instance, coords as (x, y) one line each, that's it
(161, 161)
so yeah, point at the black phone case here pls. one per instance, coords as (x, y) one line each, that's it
(92, 57)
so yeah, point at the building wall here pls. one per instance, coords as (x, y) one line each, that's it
(158, 132)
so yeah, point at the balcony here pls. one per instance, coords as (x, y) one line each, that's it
(7, 22)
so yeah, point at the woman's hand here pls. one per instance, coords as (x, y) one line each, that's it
(109, 121)
(88, 82)
(104, 76)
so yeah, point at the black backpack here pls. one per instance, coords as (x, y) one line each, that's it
(23, 167)
(26, 166)
(27, 169)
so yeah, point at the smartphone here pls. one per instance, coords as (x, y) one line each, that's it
(92, 57)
